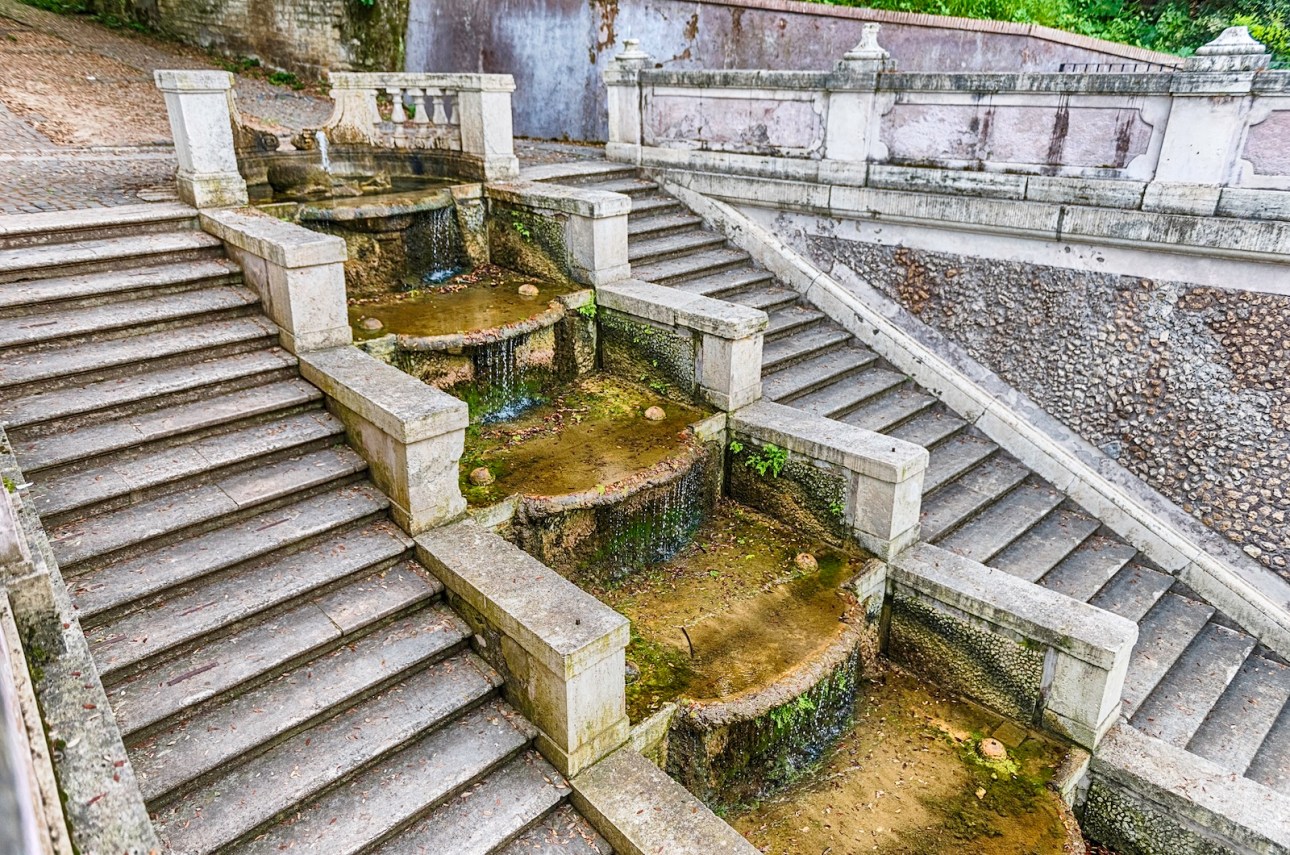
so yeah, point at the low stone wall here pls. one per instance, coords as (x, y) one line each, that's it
(307, 36)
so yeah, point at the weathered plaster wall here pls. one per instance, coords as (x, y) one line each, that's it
(556, 49)
(1185, 385)
(308, 36)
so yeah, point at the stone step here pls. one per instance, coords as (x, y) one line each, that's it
(953, 458)
(1163, 635)
(1091, 566)
(257, 653)
(647, 250)
(815, 372)
(959, 500)
(101, 591)
(419, 748)
(767, 298)
(1046, 545)
(632, 186)
(109, 399)
(674, 271)
(170, 761)
(561, 832)
(146, 314)
(1271, 766)
(106, 535)
(652, 204)
(95, 224)
(792, 321)
(782, 352)
(907, 413)
(1178, 705)
(839, 399)
(577, 173)
(115, 253)
(1002, 523)
(55, 366)
(1244, 716)
(930, 427)
(486, 816)
(230, 598)
(727, 284)
(667, 222)
(197, 418)
(133, 476)
(91, 288)
(1133, 591)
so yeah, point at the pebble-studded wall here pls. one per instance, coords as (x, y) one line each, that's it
(1186, 386)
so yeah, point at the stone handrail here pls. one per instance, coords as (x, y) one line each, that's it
(466, 113)
(1223, 120)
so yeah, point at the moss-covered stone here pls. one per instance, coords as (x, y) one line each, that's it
(647, 353)
(529, 241)
(808, 496)
(1003, 674)
(1131, 825)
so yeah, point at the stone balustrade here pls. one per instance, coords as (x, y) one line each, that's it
(465, 113)
(1220, 121)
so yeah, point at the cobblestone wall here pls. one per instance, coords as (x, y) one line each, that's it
(1186, 386)
(307, 36)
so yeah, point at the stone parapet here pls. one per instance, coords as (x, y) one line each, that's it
(560, 650)
(881, 477)
(1027, 652)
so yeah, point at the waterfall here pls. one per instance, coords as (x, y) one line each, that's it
(323, 151)
(436, 252)
(507, 389)
(659, 527)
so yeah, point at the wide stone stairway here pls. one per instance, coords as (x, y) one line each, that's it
(1196, 680)
(284, 673)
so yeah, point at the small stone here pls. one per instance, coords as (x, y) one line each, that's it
(655, 414)
(980, 792)
(992, 749)
(481, 477)
(632, 672)
(370, 324)
(806, 561)
(527, 290)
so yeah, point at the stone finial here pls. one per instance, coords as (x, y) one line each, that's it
(1234, 50)
(632, 57)
(868, 55)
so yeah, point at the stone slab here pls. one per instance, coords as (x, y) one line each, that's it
(677, 308)
(281, 243)
(398, 404)
(641, 811)
(583, 202)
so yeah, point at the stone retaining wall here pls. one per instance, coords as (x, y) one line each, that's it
(1181, 384)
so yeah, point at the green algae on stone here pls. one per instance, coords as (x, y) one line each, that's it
(907, 780)
(487, 298)
(591, 435)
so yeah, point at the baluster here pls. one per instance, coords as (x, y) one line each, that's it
(451, 101)
(397, 115)
(441, 108)
(417, 96)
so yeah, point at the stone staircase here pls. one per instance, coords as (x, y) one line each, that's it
(283, 671)
(1196, 680)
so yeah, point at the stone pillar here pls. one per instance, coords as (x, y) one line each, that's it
(197, 102)
(622, 82)
(410, 434)
(593, 225)
(299, 275)
(851, 136)
(486, 130)
(883, 477)
(1208, 121)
